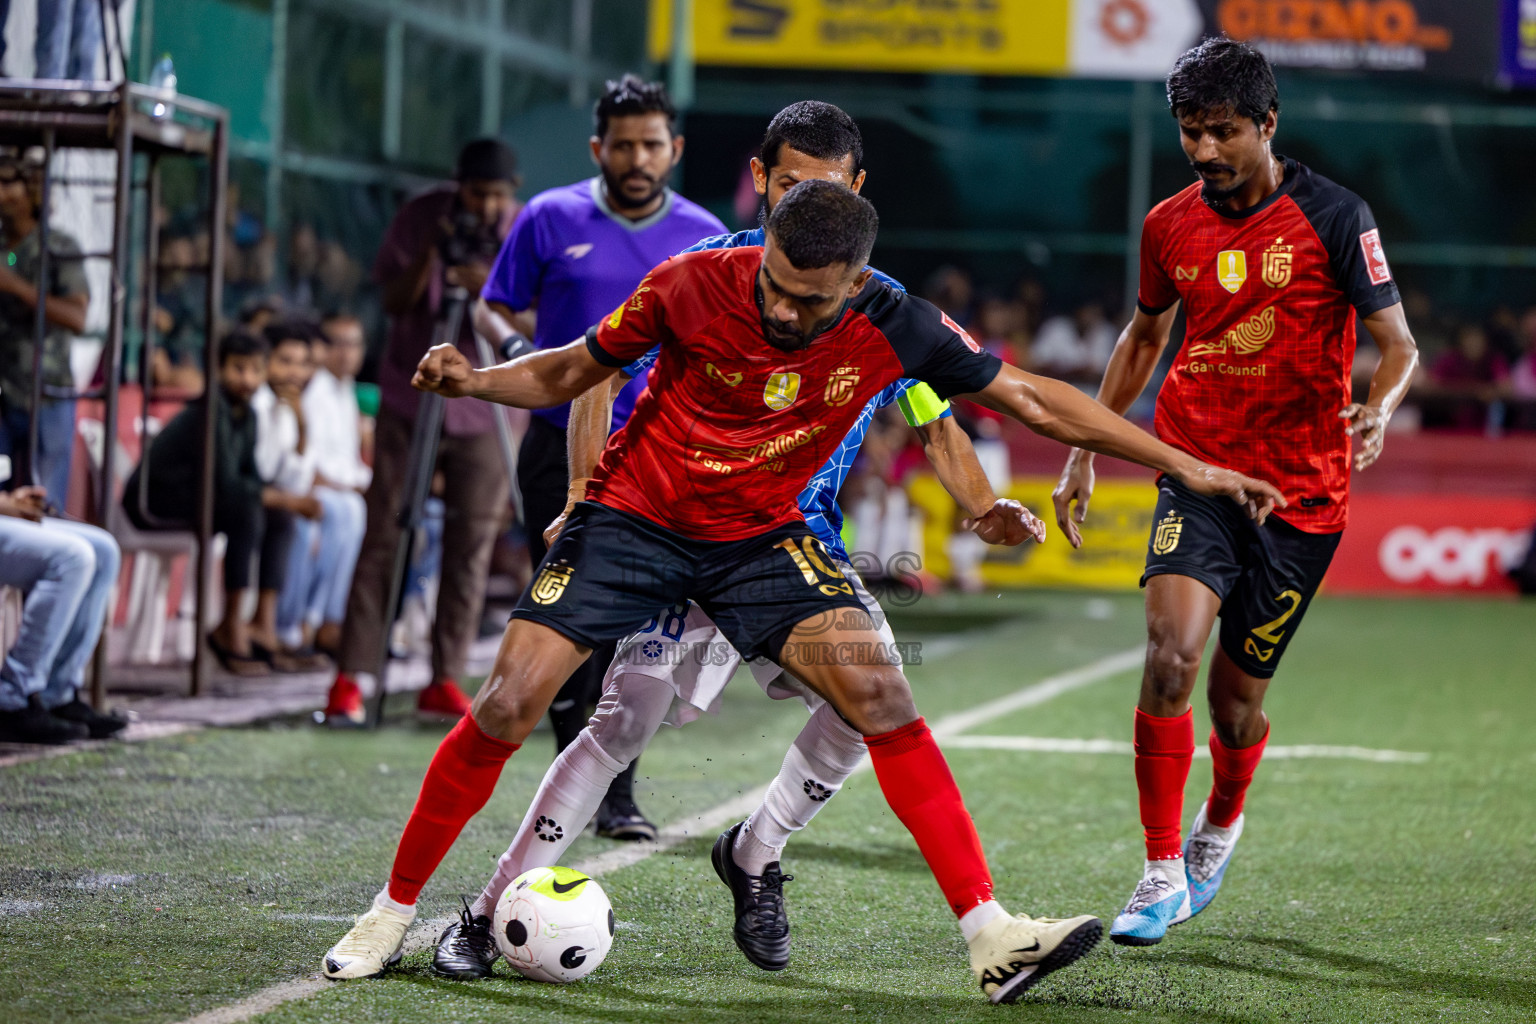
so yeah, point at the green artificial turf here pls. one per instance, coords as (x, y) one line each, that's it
(150, 882)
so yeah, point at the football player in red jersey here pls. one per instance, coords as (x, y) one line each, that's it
(1272, 262)
(768, 356)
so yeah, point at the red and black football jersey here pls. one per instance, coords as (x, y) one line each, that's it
(1270, 295)
(729, 429)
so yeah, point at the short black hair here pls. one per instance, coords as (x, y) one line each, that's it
(241, 342)
(816, 129)
(632, 95)
(290, 328)
(487, 160)
(1223, 74)
(818, 223)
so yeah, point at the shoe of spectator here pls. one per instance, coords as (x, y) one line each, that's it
(100, 726)
(442, 699)
(344, 704)
(34, 724)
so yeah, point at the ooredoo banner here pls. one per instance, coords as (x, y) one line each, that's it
(1431, 543)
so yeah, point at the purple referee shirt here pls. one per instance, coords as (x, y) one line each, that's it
(576, 260)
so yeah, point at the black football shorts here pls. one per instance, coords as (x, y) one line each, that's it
(609, 572)
(1265, 575)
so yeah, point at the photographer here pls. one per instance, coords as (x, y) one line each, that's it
(445, 237)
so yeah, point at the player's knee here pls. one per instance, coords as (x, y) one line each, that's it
(876, 700)
(1171, 667)
(508, 705)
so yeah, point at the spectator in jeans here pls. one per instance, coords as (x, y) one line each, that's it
(68, 571)
(447, 235)
(285, 458)
(173, 465)
(324, 552)
(64, 316)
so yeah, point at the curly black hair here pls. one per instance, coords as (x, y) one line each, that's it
(818, 224)
(241, 342)
(816, 129)
(1223, 74)
(632, 95)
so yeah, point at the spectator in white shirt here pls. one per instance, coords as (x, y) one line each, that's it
(324, 552)
(285, 460)
(1076, 347)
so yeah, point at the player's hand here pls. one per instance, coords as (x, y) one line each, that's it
(445, 371)
(1370, 423)
(1007, 523)
(1258, 497)
(1075, 485)
(578, 493)
(25, 503)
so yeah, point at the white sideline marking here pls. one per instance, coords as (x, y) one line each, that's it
(424, 933)
(1043, 744)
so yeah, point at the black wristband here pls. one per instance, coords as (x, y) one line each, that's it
(514, 345)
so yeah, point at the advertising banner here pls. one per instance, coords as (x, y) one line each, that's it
(1446, 38)
(1114, 537)
(1431, 543)
(972, 36)
(1519, 43)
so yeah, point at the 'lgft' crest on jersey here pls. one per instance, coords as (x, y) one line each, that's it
(551, 584)
(1277, 264)
(1232, 269)
(781, 390)
(841, 385)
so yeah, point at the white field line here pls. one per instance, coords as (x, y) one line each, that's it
(1048, 745)
(425, 933)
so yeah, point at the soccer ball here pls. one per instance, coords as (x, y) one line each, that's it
(554, 924)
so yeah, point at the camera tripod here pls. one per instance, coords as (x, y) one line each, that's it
(426, 433)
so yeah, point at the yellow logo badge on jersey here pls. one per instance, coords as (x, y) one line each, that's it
(1277, 264)
(1181, 273)
(781, 390)
(713, 372)
(1248, 337)
(551, 584)
(616, 318)
(841, 385)
(1166, 538)
(1232, 269)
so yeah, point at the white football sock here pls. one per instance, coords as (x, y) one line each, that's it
(1170, 871)
(383, 900)
(632, 709)
(978, 917)
(825, 753)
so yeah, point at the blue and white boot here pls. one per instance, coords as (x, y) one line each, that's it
(1161, 900)
(1207, 852)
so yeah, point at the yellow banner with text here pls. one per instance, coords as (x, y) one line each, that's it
(1114, 547)
(971, 36)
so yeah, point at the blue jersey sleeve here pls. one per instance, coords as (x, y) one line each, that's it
(646, 361)
(518, 273)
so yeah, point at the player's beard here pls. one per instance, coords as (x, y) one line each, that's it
(790, 340)
(1209, 190)
(620, 198)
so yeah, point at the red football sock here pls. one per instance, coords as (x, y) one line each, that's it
(459, 781)
(918, 785)
(1164, 749)
(1232, 771)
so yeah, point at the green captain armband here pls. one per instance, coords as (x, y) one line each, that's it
(920, 405)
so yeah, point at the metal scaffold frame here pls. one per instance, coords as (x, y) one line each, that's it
(131, 121)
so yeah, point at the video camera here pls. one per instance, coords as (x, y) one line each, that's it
(471, 241)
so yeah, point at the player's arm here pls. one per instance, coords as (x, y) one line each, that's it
(1389, 384)
(540, 380)
(586, 436)
(496, 321)
(1058, 410)
(1130, 367)
(993, 519)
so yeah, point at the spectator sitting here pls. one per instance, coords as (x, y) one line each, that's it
(1075, 347)
(285, 459)
(170, 471)
(180, 315)
(1522, 379)
(1469, 377)
(313, 603)
(64, 314)
(68, 571)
